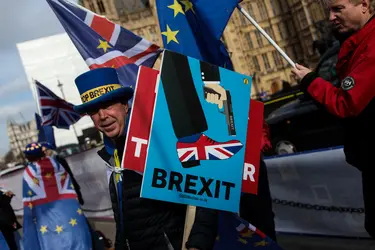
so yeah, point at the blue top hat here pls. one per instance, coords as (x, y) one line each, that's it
(99, 86)
(33, 149)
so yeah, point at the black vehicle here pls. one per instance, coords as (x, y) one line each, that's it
(301, 125)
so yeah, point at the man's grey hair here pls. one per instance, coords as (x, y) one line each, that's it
(372, 4)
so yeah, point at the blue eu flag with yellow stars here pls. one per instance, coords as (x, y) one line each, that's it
(194, 28)
(236, 233)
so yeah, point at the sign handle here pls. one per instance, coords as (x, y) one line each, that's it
(189, 221)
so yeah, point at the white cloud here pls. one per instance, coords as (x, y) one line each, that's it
(14, 87)
(13, 109)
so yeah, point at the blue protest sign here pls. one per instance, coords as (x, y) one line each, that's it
(198, 135)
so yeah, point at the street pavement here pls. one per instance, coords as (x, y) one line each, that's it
(286, 241)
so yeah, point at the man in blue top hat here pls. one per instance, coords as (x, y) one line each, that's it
(141, 224)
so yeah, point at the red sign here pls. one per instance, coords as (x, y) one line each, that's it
(138, 135)
(253, 147)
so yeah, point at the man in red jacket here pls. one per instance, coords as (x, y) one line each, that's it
(354, 100)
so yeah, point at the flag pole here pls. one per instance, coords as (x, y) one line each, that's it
(36, 97)
(283, 54)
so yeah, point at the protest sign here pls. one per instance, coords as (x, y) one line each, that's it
(253, 148)
(197, 141)
(140, 121)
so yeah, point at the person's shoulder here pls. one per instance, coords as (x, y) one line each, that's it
(104, 154)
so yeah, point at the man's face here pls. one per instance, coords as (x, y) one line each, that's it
(47, 151)
(348, 16)
(110, 119)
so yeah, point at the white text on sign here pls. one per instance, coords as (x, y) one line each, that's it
(139, 142)
(248, 172)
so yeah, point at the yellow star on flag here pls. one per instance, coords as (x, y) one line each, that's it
(176, 7)
(247, 234)
(79, 211)
(58, 229)
(73, 222)
(217, 238)
(171, 35)
(36, 181)
(30, 193)
(30, 205)
(262, 243)
(63, 177)
(243, 241)
(188, 5)
(104, 45)
(43, 229)
(48, 175)
(72, 186)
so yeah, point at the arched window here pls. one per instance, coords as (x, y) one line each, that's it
(101, 6)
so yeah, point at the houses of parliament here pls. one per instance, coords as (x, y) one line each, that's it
(293, 24)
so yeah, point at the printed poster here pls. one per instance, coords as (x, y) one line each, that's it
(196, 147)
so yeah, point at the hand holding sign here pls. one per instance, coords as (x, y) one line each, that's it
(215, 94)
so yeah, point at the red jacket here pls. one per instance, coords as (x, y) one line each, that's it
(354, 100)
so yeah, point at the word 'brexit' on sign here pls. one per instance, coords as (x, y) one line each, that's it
(175, 181)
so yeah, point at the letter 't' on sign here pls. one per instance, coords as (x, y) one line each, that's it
(138, 147)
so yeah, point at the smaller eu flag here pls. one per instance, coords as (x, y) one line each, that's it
(194, 28)
(236, 233)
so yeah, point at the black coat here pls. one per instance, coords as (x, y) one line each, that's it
(149, 224)
(8, 220)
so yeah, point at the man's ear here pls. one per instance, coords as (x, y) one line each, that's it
(126, 107)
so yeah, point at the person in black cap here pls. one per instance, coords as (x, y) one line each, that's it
(140, 223)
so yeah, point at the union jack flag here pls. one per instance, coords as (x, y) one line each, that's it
(207, 149)
(102, 43)
(46, 181)
(52, 216)
(54, 110)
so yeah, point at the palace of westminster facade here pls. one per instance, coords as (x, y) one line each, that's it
(293, 24)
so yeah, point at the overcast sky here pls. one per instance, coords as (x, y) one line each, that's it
(20, 21)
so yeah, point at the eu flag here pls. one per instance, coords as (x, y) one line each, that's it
(236, 233)
(194, 28)
(45, 133)
(52, 218)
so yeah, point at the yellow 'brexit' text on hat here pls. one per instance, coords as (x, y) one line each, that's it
(92, 94)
